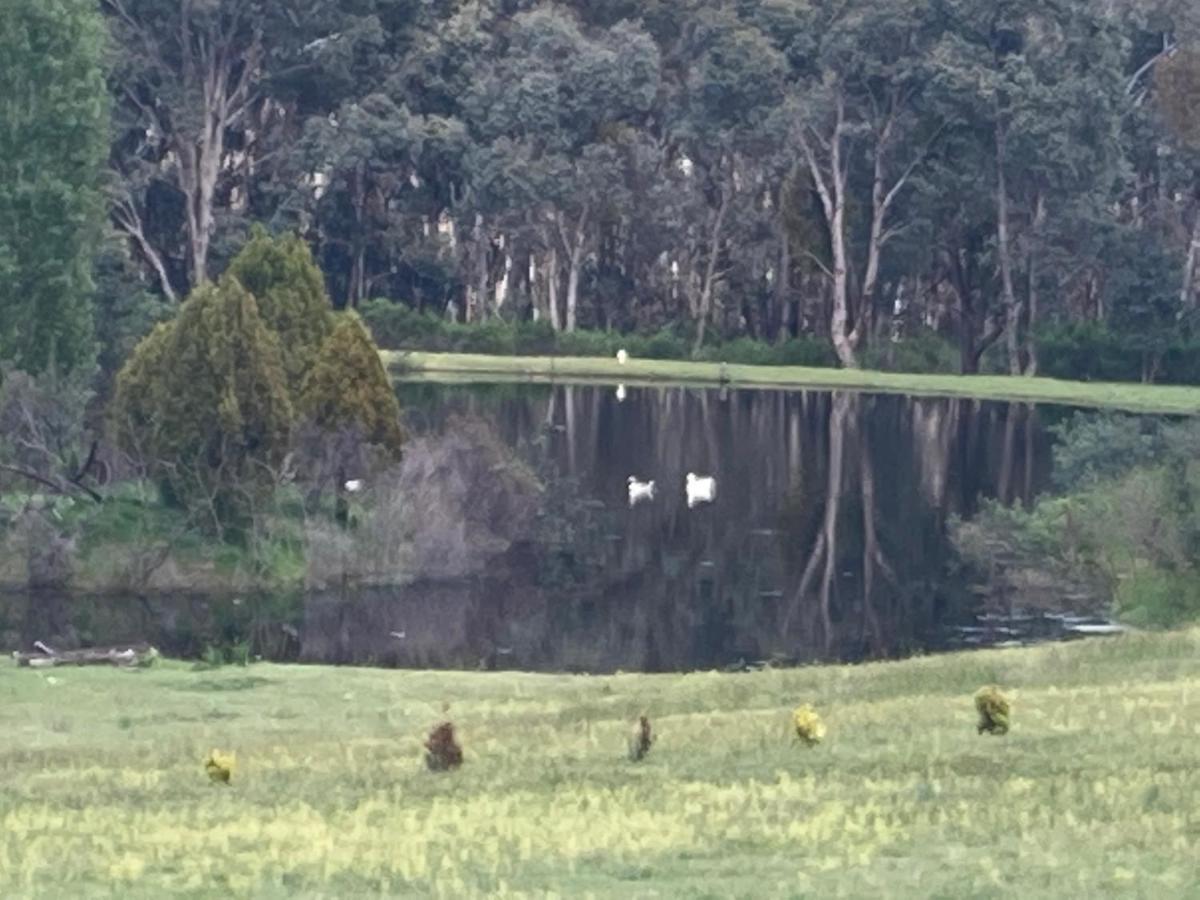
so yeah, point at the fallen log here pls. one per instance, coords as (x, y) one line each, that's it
(125, 655)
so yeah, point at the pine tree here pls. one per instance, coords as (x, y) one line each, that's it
(204, 402)
(290, 290)
(349, 389)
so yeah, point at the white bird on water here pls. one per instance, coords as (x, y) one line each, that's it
(640, 490)
(622, 357)
(354, 486)
(700, 489)
(621, 393)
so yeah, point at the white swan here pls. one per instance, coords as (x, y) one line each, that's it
(354, 486)
(622, 357)
(700, 489)
(640, 490)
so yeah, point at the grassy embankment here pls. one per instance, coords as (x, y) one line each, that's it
(1093, 793)
(469, 367)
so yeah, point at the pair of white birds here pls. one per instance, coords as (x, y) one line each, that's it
(699, 489)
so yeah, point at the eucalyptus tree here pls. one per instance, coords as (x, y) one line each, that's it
(861, 70)
(191, 85)
(547, 115)
(1041, 86)
(725, 126)
(53, 129)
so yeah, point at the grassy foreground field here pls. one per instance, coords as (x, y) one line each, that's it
(1093, 793)
(467, 367)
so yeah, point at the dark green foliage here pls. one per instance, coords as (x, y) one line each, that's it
(347, 388)
(125, 309)
(1155, 598)
(53, 133)
(1096, 447)
(204, 403)
(290, 292)
(1089, 351)
(924, 352)
(396, 326)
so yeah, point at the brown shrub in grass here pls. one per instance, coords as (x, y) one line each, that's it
(641, 738)
(442, 752)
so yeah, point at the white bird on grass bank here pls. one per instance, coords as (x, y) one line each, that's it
(622, 357)
(640, 491)
(700, 489)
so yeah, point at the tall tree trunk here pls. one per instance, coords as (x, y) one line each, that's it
(552, 290)
(710, 270)
(1035, 234)
(1187, 293)
(476, 304)
(573, 290)
(1012, 307)
(574, 244)
(777, 321)
(358, 277)
(127, 219)
(832, 191)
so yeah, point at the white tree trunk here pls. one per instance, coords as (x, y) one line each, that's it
(1012, 307)
(552, 290)
(1187, 294)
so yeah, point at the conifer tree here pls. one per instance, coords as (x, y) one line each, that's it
(290, 291)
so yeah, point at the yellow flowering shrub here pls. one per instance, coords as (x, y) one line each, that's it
(809, 727)
(994, 709)
(220, 766)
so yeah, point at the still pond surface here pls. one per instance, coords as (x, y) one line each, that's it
(827, 537)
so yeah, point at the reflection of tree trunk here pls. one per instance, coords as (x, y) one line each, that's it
(1030, 417)
(826, 548)
(569, 408)
(873, 557)
(1004, 488)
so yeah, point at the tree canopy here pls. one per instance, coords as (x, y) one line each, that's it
(851, 171)
(53, 135)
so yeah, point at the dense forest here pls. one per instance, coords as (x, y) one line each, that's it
(1001, 175)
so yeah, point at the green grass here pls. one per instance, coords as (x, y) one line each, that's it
(1093, 793)
(467, 367)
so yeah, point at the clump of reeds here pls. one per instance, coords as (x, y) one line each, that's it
(810, 730)
(442, 752)
(641, 737)
(994, 709)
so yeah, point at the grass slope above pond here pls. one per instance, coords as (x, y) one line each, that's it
(466, 367)
(1093, 793)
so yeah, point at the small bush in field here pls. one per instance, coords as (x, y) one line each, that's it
(809, 728)
(442, 752)
(640, 739)
(220, 766)
(994, 709)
